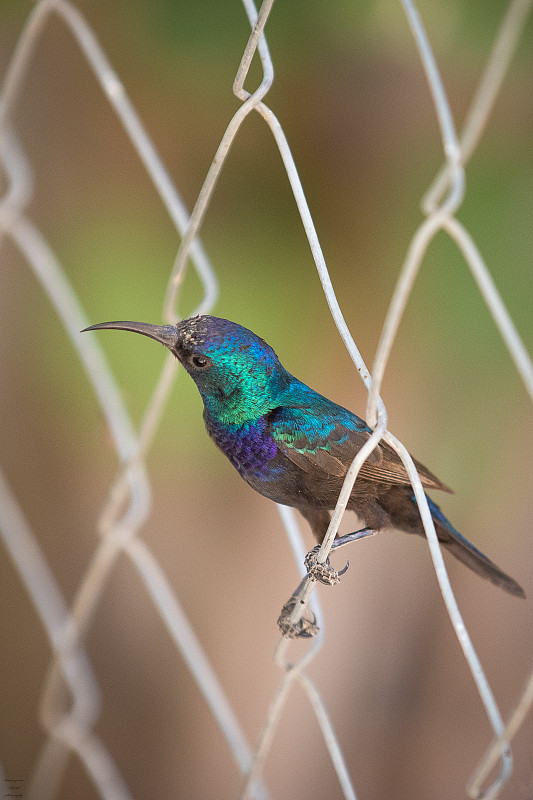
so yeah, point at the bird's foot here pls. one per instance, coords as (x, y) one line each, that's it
(323, 572)
(303, 629)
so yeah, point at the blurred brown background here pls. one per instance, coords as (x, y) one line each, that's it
(353, 101)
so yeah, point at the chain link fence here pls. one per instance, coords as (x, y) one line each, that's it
(105, 709)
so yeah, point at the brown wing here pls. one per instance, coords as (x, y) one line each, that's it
(392, 470)
(329, 443)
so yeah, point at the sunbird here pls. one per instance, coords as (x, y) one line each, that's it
(293, 445)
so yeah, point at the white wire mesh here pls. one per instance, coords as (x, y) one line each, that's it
(70, 727)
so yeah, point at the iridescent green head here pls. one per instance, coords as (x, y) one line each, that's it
(236, 372)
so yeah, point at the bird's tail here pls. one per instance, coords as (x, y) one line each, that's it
(465, 551)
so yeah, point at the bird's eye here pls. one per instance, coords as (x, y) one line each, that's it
(200, 362)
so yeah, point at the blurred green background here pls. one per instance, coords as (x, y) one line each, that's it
(353, 101)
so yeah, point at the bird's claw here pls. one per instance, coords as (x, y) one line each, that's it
(343, 570)
(303, 629)
(322, 572)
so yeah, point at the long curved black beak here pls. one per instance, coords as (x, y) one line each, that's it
(165, 334)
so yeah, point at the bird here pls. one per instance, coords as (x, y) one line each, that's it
(292, 444)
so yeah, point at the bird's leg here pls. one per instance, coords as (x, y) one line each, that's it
(324, 572)
(353, 537)
(319, 519)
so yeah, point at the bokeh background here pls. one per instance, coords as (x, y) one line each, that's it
(354, 103)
